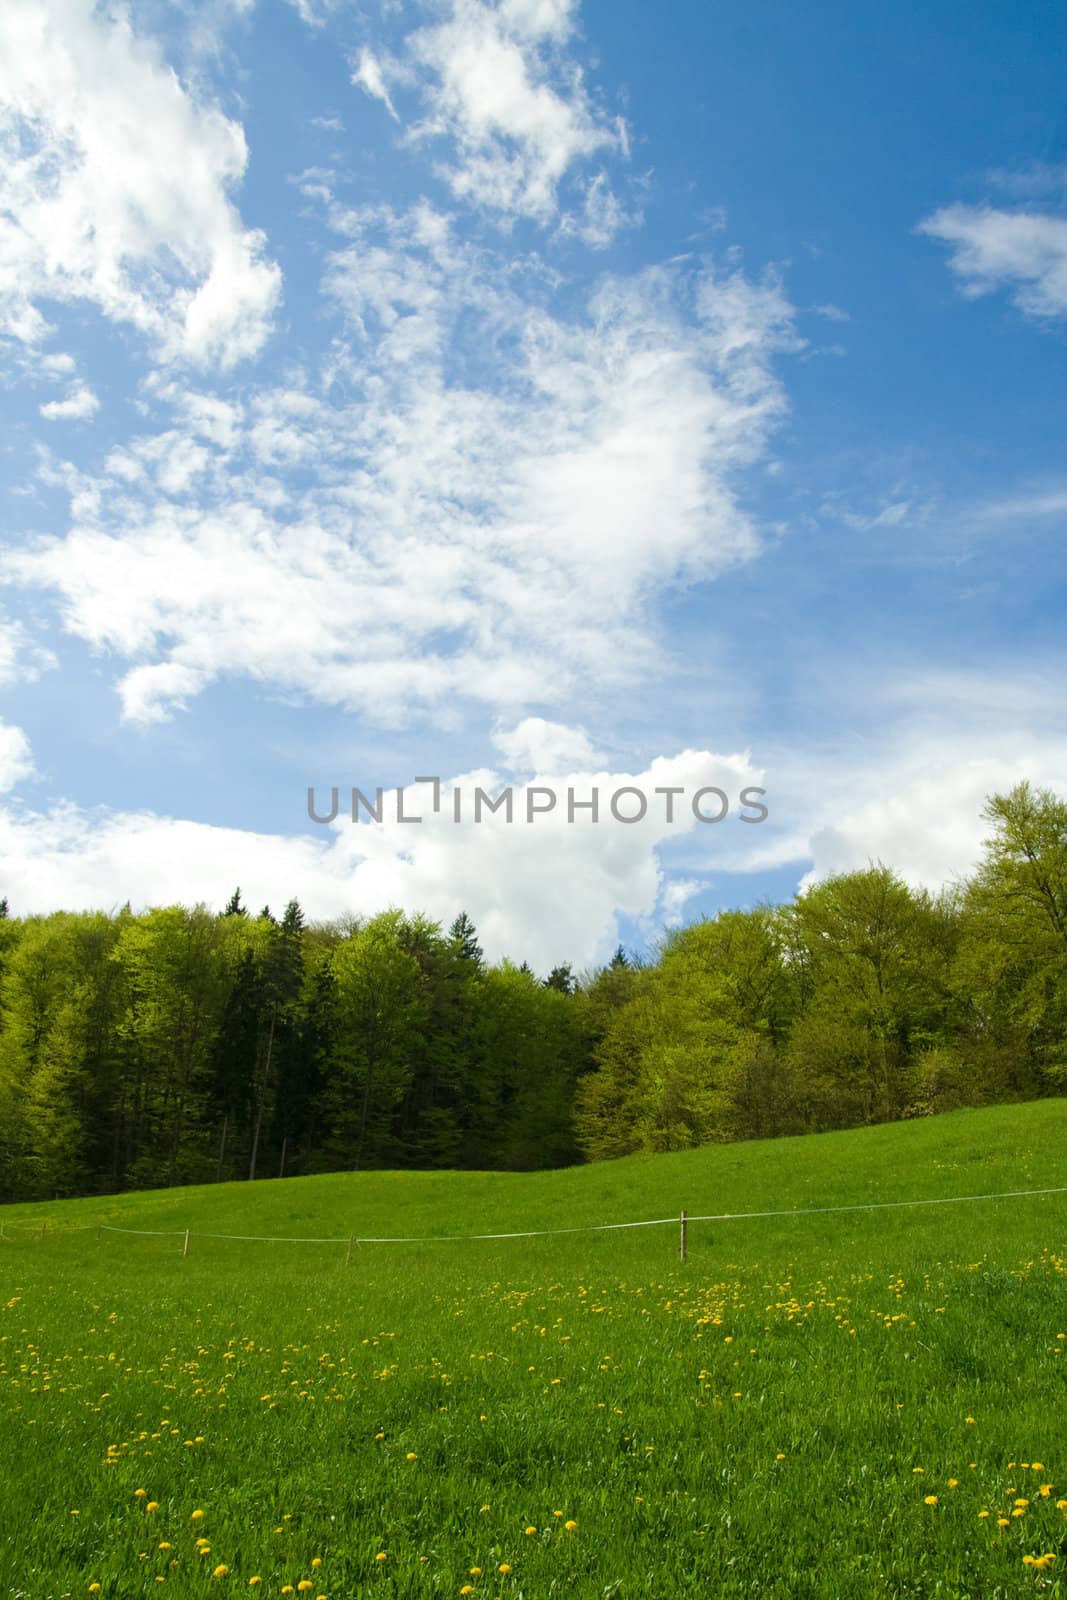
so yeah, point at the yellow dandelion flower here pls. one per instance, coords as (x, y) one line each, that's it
(468, 1588)
(557, 1513)
(221, 1571)
(1002, 1522)
(1045, 1490)
(969, 1419)
(153, 1505)
(381, 1556)
(953, 1483)
(196, 1516)
(930, 1500)
(1061, 1505)
(983, 1513)
(571, 1527)
(94, 1588)
(411, 1456)
(287, 1588)
(476, 1572)
(504, 1568)
(304, 1585)
(139, 1494)
(164, 1544)
(316, 1561)
(530, 1531)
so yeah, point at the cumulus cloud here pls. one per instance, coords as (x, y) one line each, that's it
(477, 499)
(115, 189)
(79, 404)
(910, 792)
(535, 745)
(1024, 251)
(507, 875)
(16, 760)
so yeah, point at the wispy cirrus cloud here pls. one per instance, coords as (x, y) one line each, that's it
(21, 658)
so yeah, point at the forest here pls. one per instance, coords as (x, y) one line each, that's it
(176, 1045)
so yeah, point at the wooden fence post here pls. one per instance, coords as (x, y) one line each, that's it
(185, 1243)
(682, 1245)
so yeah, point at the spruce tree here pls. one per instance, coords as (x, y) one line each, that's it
(464, 935)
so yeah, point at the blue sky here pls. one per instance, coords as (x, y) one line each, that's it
(525, 390)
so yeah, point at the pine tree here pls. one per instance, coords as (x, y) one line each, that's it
(233, 907)
(464, 934)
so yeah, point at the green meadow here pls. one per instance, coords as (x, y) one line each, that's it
(857, 1403)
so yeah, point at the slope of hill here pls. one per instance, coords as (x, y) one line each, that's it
(846, 1403)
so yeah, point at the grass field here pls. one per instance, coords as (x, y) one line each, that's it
(863, 1403)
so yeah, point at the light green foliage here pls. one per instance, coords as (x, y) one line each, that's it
(1012, 970)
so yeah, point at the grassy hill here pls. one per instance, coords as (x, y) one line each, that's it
(810, 1405)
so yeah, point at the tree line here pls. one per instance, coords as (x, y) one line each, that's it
(179, 1046)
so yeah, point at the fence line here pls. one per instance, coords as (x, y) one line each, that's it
(531, 1233)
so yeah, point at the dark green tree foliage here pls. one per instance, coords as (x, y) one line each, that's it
(464, 936)
(175, 1046)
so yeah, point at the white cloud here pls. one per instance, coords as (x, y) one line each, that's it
(1025, 251)
(441, 517)
(547, 890)
(832, 313)
(909, 789)
(368, 76)
(79, 404)
(16, 761)
(1051, 502)
(535, 745)
(150, 694)
(20, 659)
(114, 190)
(500, 89)
(674, 897)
